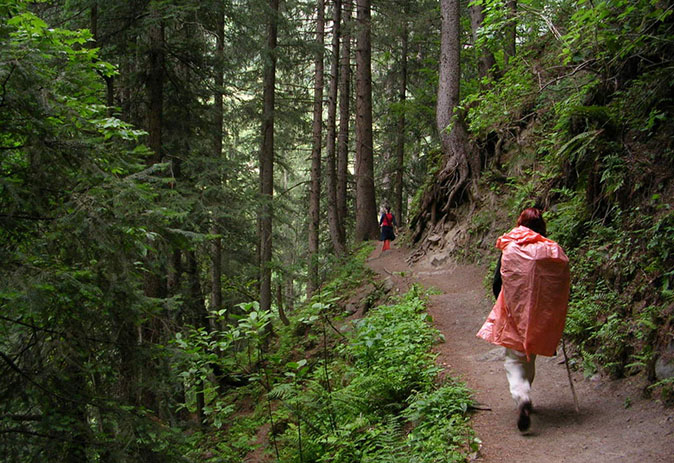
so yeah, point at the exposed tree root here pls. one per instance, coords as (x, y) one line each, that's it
(454, 187)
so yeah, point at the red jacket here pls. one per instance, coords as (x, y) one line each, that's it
(387, 220)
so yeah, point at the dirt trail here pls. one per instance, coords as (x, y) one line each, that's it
(614, 424)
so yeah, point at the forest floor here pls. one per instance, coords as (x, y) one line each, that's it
(615, 422)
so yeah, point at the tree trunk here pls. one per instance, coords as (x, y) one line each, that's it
(280, 303)
(486, 59)
(196, 306)
(198, 318)
(448, 75)
(400, 143)
(174, 272)
(155, 95)
(511, 31)
(154, 284)
(267, 157)
(331, 177)
(216, 245)
(109, 80)
(366, 209)
(344, 115)
(453, 142)
(155, 86)
(216, 271)
(456, 176)
(93, 23)
(290, 293)
(315, 195)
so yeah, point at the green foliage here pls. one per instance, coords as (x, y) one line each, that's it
(393, 345)
(353, 408)
(351, 398)
(75, 232)
(613, 31)
(666, 386)
(350, 273)
(497, 106)
(566, 221)
(435, 164)
(607, 262)
(234, 441)
(440, 424)
(193, 359)
(481, 223)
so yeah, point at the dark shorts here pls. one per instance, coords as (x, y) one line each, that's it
(387, 233)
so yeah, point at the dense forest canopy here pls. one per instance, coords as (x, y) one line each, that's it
(179, 178)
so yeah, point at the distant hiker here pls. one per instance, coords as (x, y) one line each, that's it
(531, 284)
(387, 222)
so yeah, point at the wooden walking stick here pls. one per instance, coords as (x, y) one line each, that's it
(568, 373)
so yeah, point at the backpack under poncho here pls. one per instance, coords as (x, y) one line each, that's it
(530, 310)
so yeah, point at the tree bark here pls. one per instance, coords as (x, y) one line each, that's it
(155, 93)
(344, 116)
(267, 157)
(93, 23)
(154, 285)
(174, 272)
(449, 73)
(109, 81)
(366, 209)
(456, 176)
(218, 119)
(331, 177)
(280, 304)
(511, 31)
(400, 143)
(290, 293)
(155, 86)
(216, 272)
(317, 140)
(486, 61)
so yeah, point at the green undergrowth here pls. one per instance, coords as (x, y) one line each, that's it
(339, 390)
(621, 302)
(375, 397)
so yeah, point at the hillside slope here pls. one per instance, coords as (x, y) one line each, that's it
(581, 125)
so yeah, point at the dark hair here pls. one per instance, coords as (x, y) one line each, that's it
(533, 218)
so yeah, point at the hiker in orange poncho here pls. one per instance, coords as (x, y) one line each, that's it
(531, 284)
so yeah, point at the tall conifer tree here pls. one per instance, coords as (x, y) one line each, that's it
(317, 141)
(336, 231)
(366, 208)
(267, 156)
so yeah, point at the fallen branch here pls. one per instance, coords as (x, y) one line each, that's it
(480, 407)
(547, 21)
(578, 68)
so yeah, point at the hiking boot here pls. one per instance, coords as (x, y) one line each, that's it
(524, 420)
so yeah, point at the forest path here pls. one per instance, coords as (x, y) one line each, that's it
(614, 424)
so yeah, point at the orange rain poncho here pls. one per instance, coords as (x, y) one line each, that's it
(530, 311)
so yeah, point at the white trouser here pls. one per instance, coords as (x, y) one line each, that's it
(520, 373)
